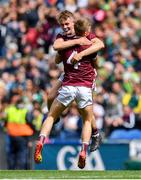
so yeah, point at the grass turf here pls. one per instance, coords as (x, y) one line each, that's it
(29, 174)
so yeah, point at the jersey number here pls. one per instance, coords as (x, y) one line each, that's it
(71, 57)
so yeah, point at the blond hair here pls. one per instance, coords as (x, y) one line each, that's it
(64, 15)
(81, 26)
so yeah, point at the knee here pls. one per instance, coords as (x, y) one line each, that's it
(51, 117)
(51, 96)
(88, 117)
(87, 120)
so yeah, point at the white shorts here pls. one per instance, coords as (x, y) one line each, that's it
(82, 95)
(61, 77)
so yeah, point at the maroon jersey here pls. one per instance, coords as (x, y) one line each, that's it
(81, 74)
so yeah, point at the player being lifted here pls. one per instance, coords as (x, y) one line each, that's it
(67, 40)
(76, 85)
(83, 29)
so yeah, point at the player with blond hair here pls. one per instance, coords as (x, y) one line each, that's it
(76, 84)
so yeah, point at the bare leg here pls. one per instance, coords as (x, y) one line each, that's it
(86, 113)
(53, 93)
(96, 137)
(94, 127)
(56, 109)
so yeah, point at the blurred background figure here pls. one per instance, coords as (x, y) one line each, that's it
(72, 124)
(18, 128)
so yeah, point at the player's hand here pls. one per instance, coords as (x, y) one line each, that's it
(84, 41)
(76, 58)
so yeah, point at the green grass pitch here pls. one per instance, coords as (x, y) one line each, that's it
(37, 174)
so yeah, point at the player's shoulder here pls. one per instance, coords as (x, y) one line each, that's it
(91, 35)
(60, 35)
(65, 37)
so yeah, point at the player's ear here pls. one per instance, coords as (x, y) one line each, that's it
(86, 33)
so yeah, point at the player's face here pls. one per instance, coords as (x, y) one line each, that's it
(68, 26)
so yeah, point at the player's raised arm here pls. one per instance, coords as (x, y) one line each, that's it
(60, 44)
(82, 27)
(97, 45)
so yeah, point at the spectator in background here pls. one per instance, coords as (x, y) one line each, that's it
(18, 128)
(3, 32)
(117, 89)
(138, 60)
(123, 127)
(113, 112)
(72, 124)
(99, 111)
(37, 118)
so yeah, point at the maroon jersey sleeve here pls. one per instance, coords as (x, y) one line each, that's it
(65, 38)
(83, 47)
(91, 36)
(59, 36)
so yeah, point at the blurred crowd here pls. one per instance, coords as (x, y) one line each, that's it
(28, 29)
